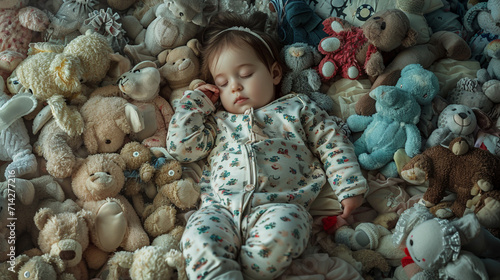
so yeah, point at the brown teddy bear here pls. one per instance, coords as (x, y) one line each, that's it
(139, 172)
(28, 195)
(180, 68)
(472, 173)
(442, 44)
(97, 183)
(108, 120)
(353, 51)
(161, 260)
(159, 179)
(65, 235)
(35, 267)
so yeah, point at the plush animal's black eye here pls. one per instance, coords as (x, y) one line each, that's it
(31, 91)
(108, 173)
(411, 242)
(92, 174)
(454, 109)
(376, 17)
(108, 141)
(181, 14)
(382, 26)
(15, 82)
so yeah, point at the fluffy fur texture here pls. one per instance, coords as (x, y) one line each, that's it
(302, 77)
(97, 183)
(474, 175)
(353, 51)
(65, 235)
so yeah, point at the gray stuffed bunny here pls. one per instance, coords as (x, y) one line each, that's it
(302, 78)
(15, 144)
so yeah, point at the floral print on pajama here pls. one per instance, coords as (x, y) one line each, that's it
(277, 156)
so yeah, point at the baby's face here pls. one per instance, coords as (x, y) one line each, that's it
(243, 80)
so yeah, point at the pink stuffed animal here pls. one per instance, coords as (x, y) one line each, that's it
(17, 24)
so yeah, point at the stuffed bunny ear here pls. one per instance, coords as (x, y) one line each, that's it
(144, 64)
(468, 226)
(134, 117)
(410, 39)
(67, 72)
(16, 107)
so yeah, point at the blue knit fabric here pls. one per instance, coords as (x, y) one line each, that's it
(297, 22)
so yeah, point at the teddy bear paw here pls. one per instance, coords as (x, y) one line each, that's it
(110, 225)
(426, 203)
(352, 72)
(330, 44)
(489, 214)
(472, 203)
(328, 69)
(61, 168)
(484, 185)
(491, 89)
(161, 221)
(22, 165)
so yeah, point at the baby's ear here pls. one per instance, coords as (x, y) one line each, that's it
(277, 73)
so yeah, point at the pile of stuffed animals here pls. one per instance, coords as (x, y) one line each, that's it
(88, 88)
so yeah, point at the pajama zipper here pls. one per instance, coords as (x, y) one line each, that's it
(251, 165)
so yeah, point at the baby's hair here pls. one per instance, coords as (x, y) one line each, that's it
(214, 40)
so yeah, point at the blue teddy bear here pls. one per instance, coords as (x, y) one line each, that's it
(394, 125)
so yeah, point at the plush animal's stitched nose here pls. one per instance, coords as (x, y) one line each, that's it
(67, 255)
(463, 115)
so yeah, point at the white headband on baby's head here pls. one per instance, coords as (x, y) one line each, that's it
(246, 29)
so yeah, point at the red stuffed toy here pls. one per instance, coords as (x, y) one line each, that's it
(356, 51)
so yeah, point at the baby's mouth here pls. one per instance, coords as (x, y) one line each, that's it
(240, 99)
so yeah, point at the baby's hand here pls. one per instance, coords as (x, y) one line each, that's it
(350, 204)
(210, 90)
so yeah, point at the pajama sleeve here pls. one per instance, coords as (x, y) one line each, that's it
(332, 146)
(192, 131)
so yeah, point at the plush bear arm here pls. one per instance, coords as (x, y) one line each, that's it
(374, 66)
(146, 172)
(313, 79)
(68, 119)
(413, 140)
(135, 237)
(358, 123)
(33, 19)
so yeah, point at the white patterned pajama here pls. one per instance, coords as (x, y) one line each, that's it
(265, 168)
